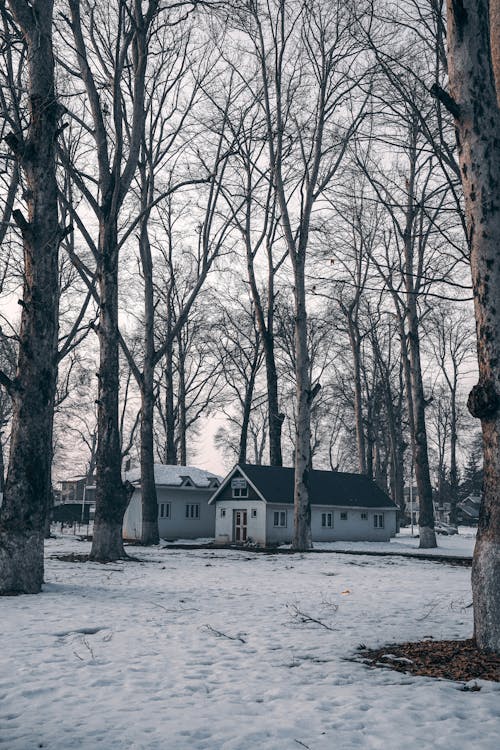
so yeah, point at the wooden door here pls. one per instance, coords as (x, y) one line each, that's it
(240, 525)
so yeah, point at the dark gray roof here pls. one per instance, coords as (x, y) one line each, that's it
(275, 483)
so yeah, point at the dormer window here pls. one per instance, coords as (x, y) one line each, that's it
(239, 487)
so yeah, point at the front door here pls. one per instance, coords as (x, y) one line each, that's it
(240, 525)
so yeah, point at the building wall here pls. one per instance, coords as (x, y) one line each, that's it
(177, 526)
(262, 530)
(354, 528)
(224, 519)
(279, 534)
(132, 520)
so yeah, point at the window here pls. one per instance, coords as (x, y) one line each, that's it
(326, 520)
(222, 512)
(164, 510)
(240, 491)
(343, 516)
(364, 516)
(254, 513)
(280, 518)
(193, 510)
(378, 520)
(239, 487)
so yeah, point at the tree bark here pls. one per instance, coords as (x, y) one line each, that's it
(420, 451)
(354, 340)
(170, 447)
(302, 539)
(28, 483)
(427, 536)
(474, 70)
(111, 494)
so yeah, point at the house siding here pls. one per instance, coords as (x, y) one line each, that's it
(279, 534)
(177, 526)
(354, 529)
(262, 530)
(224, 524)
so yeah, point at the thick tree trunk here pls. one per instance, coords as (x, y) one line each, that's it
(149, 500)
(28, 483)
(302, 539)
(474, 66)
(111, 494)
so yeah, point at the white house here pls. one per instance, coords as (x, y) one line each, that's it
(256, 503)
(183, 511)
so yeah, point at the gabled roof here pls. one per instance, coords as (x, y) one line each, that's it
(276, 484)
(176, 476)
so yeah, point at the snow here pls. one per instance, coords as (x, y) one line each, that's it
(458, 545)
(167, 475)
(208, 650)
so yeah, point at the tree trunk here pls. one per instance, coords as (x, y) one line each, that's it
(182, 402)
(358, 398)
(28, 483)
(149, 500)
(2, 467)
(111, 494)
(247, 405)
(472, 35)
(420, 452)
(170, 448)
(302, 539)
(266, 329)
(419, 443)
(453, 458)
(275, 417)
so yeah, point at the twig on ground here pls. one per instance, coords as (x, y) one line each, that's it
(429, 611)
(304, 617)
(220, 634)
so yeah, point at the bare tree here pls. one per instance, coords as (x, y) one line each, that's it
(28, 484)
(117, 126)
(301, 101)
(451, 339)
(474, 102)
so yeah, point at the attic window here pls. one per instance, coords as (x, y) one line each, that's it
(239, 487)
(343, 516)
(364, 516)
(186, 482)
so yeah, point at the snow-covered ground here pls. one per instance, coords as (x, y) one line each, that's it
(458, 545)
(203, 650)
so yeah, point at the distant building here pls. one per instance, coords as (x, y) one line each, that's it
(183, 511)
(468, 509)
(79, 491)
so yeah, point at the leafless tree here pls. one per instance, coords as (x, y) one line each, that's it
(474, 102)
(27, 489)
(306, 58)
